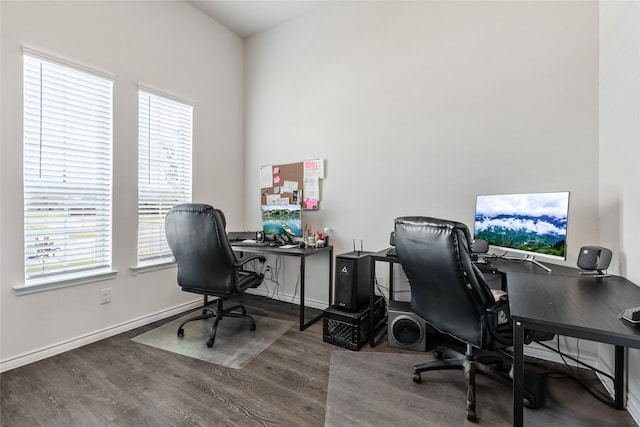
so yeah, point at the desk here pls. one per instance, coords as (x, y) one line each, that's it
(301, 253)
(565, 303)
(383, 257)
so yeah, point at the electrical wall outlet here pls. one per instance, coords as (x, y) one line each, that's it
(105, 296)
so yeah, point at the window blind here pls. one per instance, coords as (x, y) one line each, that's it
(67, 170)
(164, 169)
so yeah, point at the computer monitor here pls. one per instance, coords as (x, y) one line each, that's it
(532, 224)
(282, 220)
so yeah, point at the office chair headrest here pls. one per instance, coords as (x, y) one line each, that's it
(443, 224)
(200, 208)
(192, 207)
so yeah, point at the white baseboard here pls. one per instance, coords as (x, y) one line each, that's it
(633, 407)
(43, 353)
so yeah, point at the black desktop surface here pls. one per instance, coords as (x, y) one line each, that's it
(279, 248)
(568, 303)
(253, 244)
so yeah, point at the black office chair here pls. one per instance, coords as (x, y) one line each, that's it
(206, 263)
(450, 293)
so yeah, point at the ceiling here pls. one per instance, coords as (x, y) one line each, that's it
(248, 17)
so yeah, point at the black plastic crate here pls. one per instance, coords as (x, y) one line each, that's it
(350, 329)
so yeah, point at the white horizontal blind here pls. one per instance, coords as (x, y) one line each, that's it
(67, 170)
(164, 169)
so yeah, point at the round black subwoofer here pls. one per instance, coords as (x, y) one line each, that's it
(405, 328)
(406, 331)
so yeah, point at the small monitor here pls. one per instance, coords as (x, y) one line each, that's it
(282, 220)
(530, 224)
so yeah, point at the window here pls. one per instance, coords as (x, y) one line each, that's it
(164, 169)
(67, 171)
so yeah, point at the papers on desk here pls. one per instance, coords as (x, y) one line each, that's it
(249, 241)
(288, 246)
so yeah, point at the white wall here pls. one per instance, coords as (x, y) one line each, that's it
(619, 151)
(619, 155)
(420, 106)
(170, 46)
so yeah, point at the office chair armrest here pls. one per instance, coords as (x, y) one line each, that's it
(501, 305)
(499, 315)
(242, 261)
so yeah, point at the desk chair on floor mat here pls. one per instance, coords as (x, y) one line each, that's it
(206, 263)
(451, 294)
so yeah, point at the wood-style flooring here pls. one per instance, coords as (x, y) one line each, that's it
(117, 382)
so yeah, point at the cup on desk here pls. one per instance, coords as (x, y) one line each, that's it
(311, 241)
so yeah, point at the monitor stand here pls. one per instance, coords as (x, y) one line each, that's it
(531, 259)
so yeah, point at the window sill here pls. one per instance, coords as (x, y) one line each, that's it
(147, 267)
(51, 283)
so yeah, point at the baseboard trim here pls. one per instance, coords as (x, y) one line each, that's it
(633, 407)
(43, 353)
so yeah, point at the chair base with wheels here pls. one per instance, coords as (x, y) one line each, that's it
(218, 314)
(449, 359)
(489, 365)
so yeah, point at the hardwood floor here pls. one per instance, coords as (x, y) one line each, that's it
(117, 382)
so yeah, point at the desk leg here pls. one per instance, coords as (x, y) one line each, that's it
(302, 271)
(330, 276)
(518, 374)
(372, 297)
(390, 281)
(620, 395)
(304, 325)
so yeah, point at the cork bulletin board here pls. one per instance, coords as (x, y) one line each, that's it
(292, 184)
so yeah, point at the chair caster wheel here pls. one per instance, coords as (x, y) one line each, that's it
(471, 415)
(252, 327)
(417, 378)
(209, 343)
(180, 332)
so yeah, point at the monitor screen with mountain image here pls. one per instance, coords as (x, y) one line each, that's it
(532, 224)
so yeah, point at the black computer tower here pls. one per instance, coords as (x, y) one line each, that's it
(352, 284)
